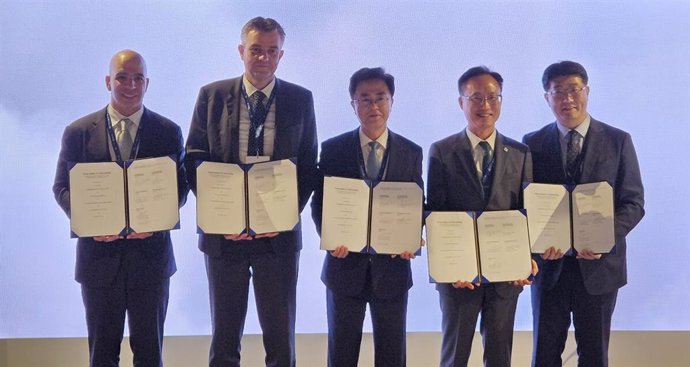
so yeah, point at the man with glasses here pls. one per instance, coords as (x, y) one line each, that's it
(478, 169)
(252, 118)
(353, 279)
(573, 150)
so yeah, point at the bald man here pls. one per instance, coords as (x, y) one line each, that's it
(123, 275)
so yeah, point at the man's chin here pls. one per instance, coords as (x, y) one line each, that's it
(262, 73)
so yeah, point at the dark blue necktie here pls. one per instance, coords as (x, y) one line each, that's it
(487, 169)
(572, 156)
(257, 116)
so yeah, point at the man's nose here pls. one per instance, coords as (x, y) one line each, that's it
(264, 56)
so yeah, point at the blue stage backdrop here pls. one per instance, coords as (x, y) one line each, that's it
(54, 56)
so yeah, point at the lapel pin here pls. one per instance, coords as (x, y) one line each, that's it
(505, 149)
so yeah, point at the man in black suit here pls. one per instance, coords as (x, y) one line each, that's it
(123, 275)
(478, 169)
(573, 150)
(248, 119)
(354, 279)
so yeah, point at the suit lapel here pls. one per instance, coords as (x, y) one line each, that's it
(502, 154)
(145, 148)
(552, 153)
(98, 148)
(230, 148)
(147, 145)
(464, 162)
(280, 146)
(394, 157)
(590, 157)
(355, 152)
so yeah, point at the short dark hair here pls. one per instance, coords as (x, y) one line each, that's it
(365, 74)
(563, 68)
(478, 71)
(261, 24)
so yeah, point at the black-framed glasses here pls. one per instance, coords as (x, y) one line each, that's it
(477, 99)
(368, 102)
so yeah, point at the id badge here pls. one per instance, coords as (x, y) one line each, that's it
(257, 159)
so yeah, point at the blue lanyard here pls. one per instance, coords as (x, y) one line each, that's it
(113, 140)
(251, 110)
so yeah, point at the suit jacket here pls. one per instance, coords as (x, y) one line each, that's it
(146, 261)
(214, 136)
(341, 156)
(608, 155)
(453, 183)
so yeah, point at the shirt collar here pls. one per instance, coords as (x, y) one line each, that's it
(475, 140)
(115, 116)
(364, 140)
(250, 88)
(582, 128)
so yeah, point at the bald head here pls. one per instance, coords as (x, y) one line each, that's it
(127, 82)
(124, 56)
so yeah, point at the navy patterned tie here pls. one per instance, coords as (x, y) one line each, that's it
(255, 144)
(487, 171)
(572, 156)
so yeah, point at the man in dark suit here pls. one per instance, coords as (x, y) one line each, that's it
(123, 275)
(579, 149)
(355, 279)
(478, 169)
(248, 119)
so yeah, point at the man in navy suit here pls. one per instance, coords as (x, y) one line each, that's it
(123, 275)
(573, 150)
(353, 279)
(478, 169)
(248, 119)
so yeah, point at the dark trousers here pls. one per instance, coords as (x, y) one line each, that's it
(551, 311)
(274, 278)
(345, 320)
(145, 306)
(460, 309)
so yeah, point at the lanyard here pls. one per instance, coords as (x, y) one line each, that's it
(384, 161)
(113, 140)
(251, 110)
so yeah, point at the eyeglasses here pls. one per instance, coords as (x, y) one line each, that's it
(258, 51)
(476, 99)
(570, 92)
(368, 102)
